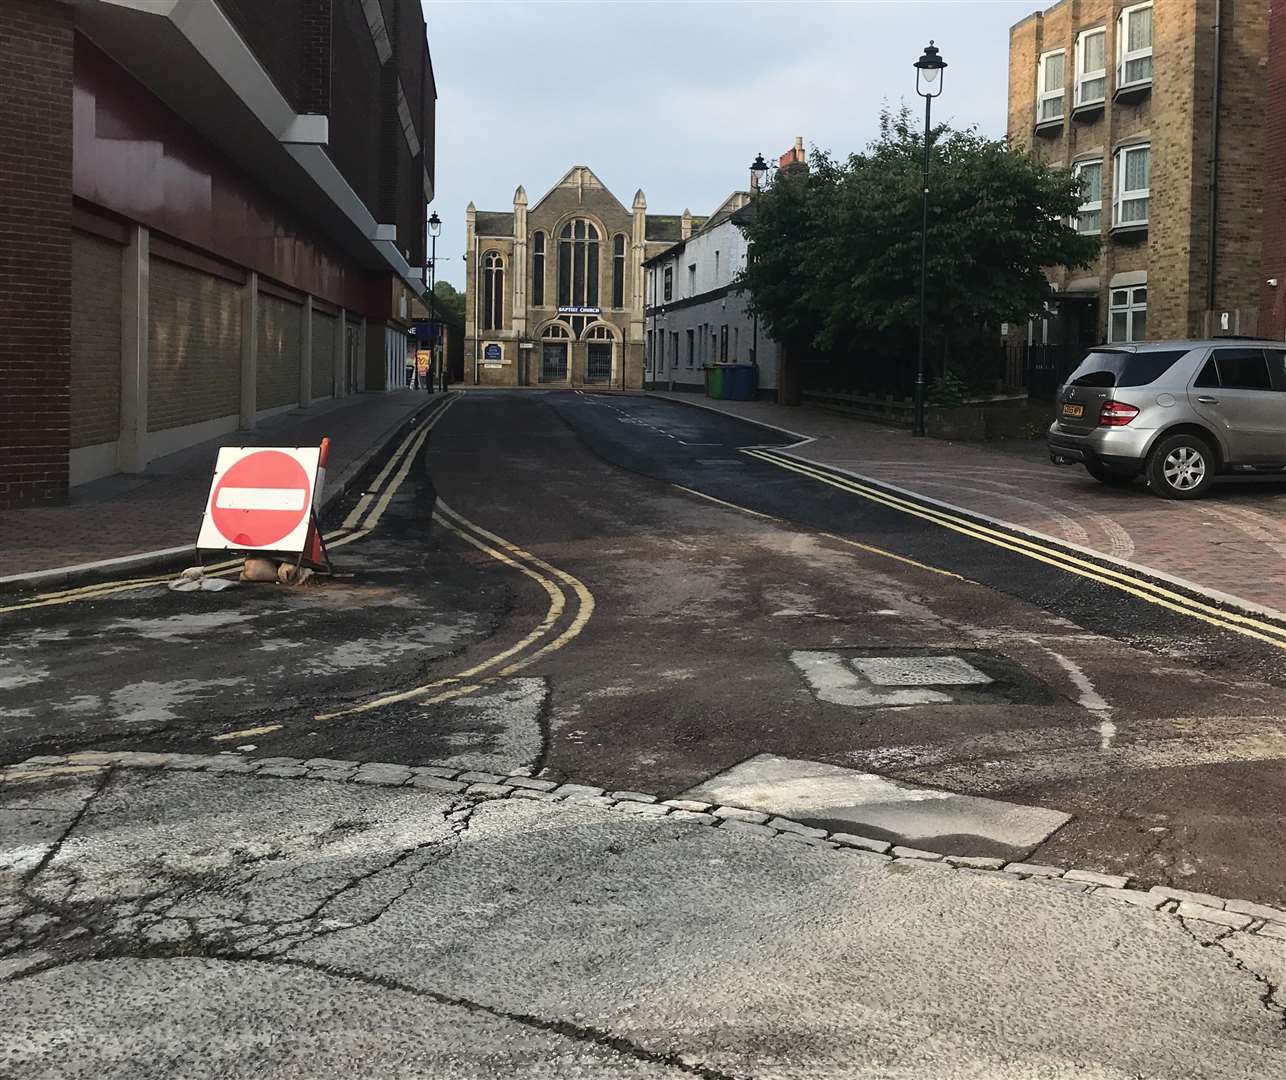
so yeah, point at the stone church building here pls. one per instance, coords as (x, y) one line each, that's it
(554, 292)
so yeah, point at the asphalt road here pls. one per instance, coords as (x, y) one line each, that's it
(706, 635)
(169, 923)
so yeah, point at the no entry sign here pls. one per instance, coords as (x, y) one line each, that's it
(261, 498)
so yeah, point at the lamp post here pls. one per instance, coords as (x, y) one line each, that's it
(758, 170)
(435, 228)
(928, 84)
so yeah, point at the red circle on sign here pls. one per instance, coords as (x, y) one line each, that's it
(261, 500)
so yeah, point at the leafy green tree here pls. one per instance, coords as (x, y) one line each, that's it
(835, 264)
(449, 302)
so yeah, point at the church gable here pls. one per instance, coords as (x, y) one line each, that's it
(580, 189)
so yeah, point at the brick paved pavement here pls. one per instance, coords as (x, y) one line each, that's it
(161, 508)
(1233, 541)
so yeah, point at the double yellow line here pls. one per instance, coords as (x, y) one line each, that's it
(1133, 585)
(364, 517)
(570, 607)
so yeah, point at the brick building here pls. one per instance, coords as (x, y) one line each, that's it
(1159, 107)
(554, 292)
(211, 210)
(1272, 301)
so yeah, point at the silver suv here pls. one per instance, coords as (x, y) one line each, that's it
(1178, 412)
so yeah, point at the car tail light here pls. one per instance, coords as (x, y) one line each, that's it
(1116, 414)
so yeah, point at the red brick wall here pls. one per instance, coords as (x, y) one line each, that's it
(1272, 302)
(35, 250)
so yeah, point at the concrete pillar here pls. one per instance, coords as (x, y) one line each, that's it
(306, 353)
(249, 349)
(520, 268)
(341, 354)
(131, 450)
(359, 366)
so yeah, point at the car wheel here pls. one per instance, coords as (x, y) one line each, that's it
(1181, 467)
(1107, 476)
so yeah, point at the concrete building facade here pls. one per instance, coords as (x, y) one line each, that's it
(696, 316)
(212, 210)
(554, 291)
(1158, 107)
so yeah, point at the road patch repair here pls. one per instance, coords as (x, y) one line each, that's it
(942, 821)
(889, 678)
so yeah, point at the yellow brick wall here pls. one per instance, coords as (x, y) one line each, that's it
(194, 345)
(95, 341)
(325, 342)
(280, 335)
(1174, 117)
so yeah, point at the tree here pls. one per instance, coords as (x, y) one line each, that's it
(449, 302)
(835, 264)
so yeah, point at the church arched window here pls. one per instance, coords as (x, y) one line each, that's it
(538, 270)
(578, 264)
(618, 270)
(493, 291)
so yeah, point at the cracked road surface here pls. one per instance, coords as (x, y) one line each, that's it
(162, 922)
(561, 586)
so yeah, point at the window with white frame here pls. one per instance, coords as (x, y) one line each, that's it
(1131, 177)
(1089, 216)
(1134, 46)
(1091, 66)
(1127, 318)
(1050, 86)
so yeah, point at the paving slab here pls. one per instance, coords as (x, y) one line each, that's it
(850, 800)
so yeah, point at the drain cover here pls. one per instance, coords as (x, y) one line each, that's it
(920, 671)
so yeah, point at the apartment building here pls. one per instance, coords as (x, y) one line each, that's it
(695, 315)
(1272, 304)
(1158, 107)
(212, 210)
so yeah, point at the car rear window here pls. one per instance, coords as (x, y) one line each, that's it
(1108, 367)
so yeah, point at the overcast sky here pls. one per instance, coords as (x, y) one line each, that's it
(678, 97)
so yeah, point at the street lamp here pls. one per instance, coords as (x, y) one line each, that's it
(928, 84)
(435, 228)
(758, 170)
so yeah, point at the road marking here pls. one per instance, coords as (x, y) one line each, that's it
(870, 549)
(1089, 699)
(1137, 587)
(403, 455)
(1150, 573)
(547, 576)
(355, 515)
(229, 736)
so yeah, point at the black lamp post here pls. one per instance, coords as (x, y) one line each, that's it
(928, 84)
(435, 228)
(758, 170)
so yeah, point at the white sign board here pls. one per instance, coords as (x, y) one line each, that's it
(261, 498)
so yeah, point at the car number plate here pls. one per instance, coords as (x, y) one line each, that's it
(1073, 410)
